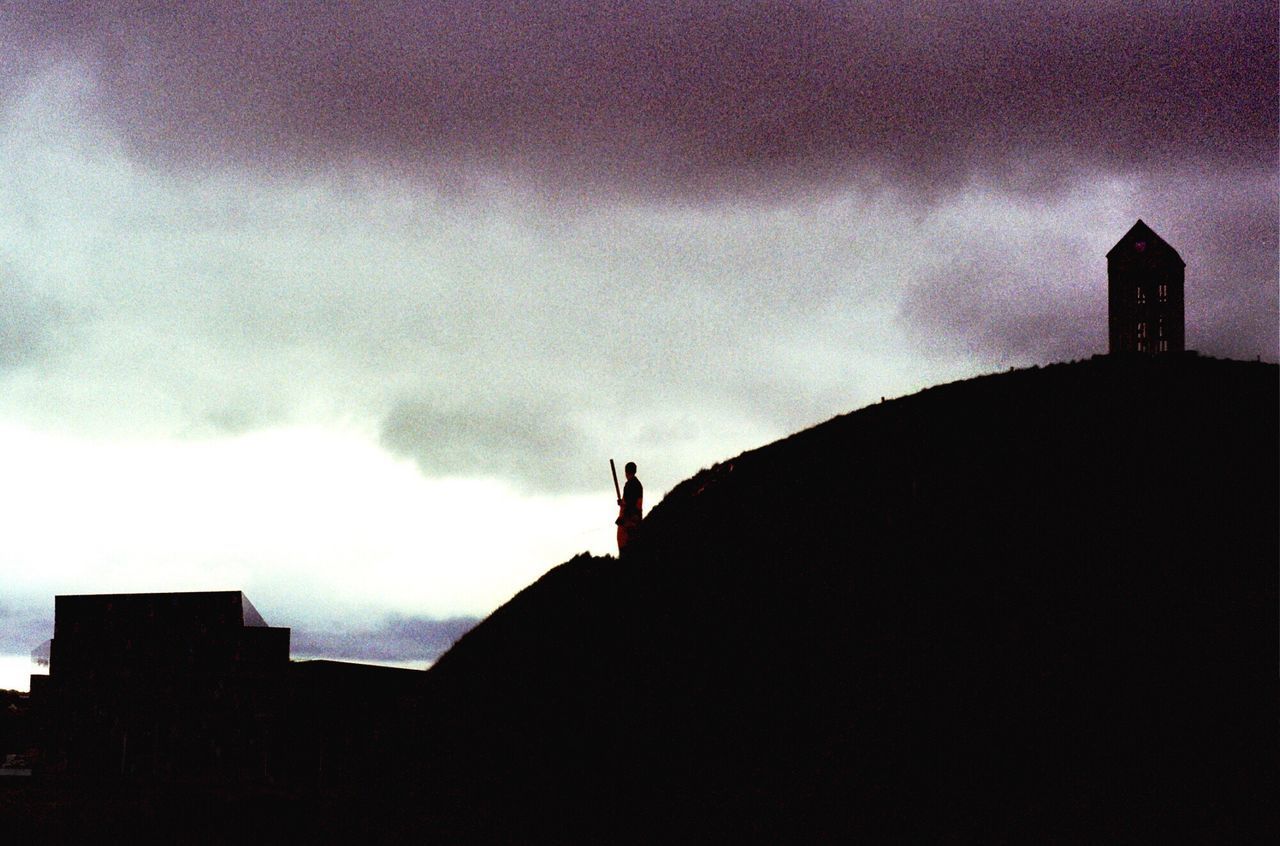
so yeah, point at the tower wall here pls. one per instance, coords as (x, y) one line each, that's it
(1146, 310)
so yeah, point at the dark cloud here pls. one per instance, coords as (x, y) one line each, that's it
(687, 96)
(1000, 304)
(530, 443)
(1233, 264)
(395, 638)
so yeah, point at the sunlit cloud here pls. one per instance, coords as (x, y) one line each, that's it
(308, 522)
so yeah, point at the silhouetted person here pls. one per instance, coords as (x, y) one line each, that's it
(630, 507)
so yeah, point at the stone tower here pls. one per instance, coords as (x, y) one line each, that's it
(1145, 294)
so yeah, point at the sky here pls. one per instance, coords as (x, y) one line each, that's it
(348, 305)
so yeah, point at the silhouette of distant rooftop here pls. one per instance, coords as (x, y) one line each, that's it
(1140, 232)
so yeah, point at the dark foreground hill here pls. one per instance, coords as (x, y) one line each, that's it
(1038, 606)
(1033, 607)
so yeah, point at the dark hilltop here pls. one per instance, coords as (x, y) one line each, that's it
(1036, 606)
(1039, 606)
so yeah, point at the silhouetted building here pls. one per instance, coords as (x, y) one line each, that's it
(348, 723)
(1145, 294)
(162, 685)
(196, 687)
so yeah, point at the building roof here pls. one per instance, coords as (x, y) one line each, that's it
(1144, 239)
(85, 613)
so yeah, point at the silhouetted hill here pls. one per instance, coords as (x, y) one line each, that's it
(1034, 606)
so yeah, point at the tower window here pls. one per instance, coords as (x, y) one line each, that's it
(1162, 293)
(1142, 331)
(1142, 296)
(1160, 328)
(1162, 345)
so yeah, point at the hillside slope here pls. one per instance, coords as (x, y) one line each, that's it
(1036, 605)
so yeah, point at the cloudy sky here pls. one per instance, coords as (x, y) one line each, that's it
(348, 304)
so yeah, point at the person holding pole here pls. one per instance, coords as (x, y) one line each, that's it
(630, 503)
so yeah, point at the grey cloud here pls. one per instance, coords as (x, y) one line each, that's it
(30, 323)
(394, 638)
(224, 305)
(530, 443)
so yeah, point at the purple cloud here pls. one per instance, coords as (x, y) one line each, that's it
(688, 96)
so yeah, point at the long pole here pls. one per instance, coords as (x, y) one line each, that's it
(614, 471)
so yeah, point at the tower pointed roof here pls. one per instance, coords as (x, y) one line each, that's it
(1143, 238)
